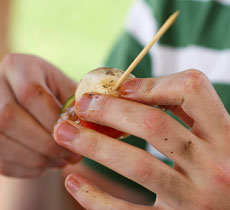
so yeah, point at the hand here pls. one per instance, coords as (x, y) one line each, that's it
(200, 178)
(32, 92)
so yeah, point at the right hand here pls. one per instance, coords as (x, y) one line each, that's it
(32, 92)
(200, 178)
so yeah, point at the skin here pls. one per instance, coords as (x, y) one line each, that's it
(32, 92)
(4, 27)
(201, 174)
(28, 86)
(31, 88)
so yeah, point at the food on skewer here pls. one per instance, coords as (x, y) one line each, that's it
(100, 81)
(106, 81)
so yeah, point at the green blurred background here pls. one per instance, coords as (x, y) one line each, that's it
(74, 35)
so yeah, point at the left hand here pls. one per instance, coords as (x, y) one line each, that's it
(200, 178)
(32, 92)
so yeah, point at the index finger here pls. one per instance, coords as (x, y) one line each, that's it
(38, 86)
(149, 123)
(129, 161)
(191, 90)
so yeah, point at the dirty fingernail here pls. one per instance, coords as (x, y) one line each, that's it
(130, 87)
(65, 133)
(72, 184)
(83, 104)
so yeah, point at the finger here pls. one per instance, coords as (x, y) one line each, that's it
(15, 170)
(16, 123)
(92, 198)
(149, 123)
(62, 87)
(26, 76)
(73, 158)
(129, 161)
(39, 102)
(18, 154)
(59, 84)
(31, 133)
(163, 205)
(179, 112)
(189, 89)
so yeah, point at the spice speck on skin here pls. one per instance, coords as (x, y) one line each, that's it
(187, 145)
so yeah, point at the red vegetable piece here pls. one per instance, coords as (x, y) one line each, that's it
(69, 114)
(102, 129)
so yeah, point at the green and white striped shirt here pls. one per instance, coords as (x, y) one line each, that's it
(199, 39)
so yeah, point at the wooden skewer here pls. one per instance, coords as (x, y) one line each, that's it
(158, 35)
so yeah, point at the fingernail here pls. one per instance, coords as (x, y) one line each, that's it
(88, 102)
(65, 133)
(72, 184)
(82, 105)
(130, 87)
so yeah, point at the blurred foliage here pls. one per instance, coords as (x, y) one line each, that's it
(74, 35)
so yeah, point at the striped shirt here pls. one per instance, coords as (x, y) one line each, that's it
(199, 39)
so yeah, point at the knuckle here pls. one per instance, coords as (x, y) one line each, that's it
(220, 173)
(155, 122)
(10, 59)
(29, 91)
(204, 203)
(7, 113)
(194, 80)
(142, 170)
